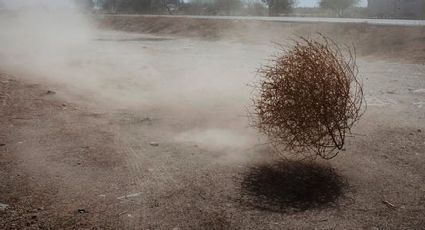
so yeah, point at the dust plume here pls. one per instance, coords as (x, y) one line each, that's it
(41, 39)
(196, 89)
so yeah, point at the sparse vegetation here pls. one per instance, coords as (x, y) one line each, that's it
(309, 98)
(277, 7)
(255, 8)
(423, 11)
(338, 6)
(140, 6)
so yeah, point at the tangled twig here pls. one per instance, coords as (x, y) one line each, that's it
(309, 98)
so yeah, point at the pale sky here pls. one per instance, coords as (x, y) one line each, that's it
(61, 3)
(310, 3)
(26, 3)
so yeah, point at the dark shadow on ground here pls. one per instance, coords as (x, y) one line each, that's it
(291, 186)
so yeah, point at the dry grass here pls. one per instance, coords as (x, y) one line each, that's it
(309, 97)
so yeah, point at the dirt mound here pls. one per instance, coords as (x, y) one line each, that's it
(394, 42)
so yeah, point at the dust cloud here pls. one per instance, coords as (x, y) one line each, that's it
(196, 89)
(39, 38)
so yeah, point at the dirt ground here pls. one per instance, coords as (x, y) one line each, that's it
(133, 152)
(389, 42)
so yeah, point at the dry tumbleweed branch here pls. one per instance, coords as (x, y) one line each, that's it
(309, 98)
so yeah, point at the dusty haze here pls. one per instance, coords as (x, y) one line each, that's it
(196, 89)
(148, 128)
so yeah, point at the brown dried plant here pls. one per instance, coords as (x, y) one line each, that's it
(309, 98)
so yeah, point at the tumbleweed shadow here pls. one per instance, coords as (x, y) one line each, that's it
(291, 185)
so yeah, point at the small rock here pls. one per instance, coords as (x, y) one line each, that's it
(34, 217)
(419, 91)
(419, 130)
(154, 144)
(81, 210)
(50, 92)
(146, 119)
(1, 144)
(3, 207)
(129, 196)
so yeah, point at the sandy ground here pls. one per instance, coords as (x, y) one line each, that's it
(150, 132)
(393, 43)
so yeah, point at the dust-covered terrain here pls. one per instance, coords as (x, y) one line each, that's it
(137, 123)
(389, 42)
